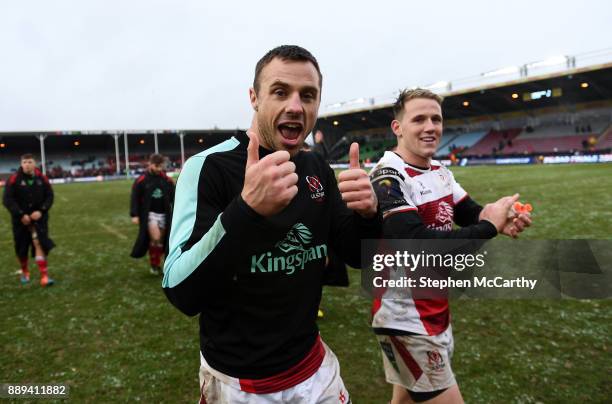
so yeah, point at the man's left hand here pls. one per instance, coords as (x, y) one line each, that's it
(355, 187)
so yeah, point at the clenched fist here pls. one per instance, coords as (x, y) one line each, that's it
(355, 187)
(269, 183)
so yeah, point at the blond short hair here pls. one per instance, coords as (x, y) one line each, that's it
(410, 94)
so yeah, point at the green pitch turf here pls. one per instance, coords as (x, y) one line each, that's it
(107, 330)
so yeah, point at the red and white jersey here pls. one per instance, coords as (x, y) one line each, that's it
(432, 193)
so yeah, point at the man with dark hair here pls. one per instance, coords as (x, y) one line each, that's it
(250, 235)
(151, 209)
(28, 196)
(285, 52)
(420, 199)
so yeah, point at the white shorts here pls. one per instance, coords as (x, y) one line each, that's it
(325, 386)
(158, 219)
(420, 363)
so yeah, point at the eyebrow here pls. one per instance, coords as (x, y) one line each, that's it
(420, 116)
(281, 83)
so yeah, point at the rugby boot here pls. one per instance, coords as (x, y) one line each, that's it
(45, 281)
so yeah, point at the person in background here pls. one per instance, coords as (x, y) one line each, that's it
(151, 209)
(28, 196)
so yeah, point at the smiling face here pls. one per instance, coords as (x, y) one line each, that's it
(418, 130)
(286, 104)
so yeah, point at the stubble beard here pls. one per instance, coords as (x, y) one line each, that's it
(267, 136)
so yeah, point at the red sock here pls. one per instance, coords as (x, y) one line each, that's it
(154, 255)
(23, 262)
(42, 265)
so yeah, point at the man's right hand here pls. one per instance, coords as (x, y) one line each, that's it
(135, 220)
(497, 212)
(269, 183)
(25, 219)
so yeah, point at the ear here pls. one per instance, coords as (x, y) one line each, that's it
(253, 97)
(396, 128)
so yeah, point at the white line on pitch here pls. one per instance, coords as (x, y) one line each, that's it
(113, 231)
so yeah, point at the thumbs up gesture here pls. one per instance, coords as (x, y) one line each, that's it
(269, 183)
(355, 187)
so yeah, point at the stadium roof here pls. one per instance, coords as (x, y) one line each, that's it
(592, 84)
(160, 132)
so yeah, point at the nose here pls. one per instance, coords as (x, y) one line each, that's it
(429, 126)
(294, 104)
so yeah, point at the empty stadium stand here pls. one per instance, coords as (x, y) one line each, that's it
(460, 142)
(605, 140)
(492, 141)
(555, 144)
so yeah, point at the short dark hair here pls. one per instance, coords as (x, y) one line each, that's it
(410, 94)
(286, 52)
(156, 159)
(27, 156)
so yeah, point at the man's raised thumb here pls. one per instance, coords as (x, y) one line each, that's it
(354, 155)
(252, 149)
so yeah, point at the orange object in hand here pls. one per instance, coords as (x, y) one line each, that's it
(520, 208)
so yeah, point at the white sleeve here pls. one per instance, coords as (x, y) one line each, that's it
(459, 193)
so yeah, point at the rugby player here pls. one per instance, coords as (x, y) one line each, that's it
(420, 199)
(253, 222)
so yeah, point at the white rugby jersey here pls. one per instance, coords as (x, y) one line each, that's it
(431, 193)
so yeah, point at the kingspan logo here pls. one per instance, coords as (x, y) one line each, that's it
(291, 253)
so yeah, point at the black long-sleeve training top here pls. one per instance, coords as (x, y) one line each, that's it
(24, 194)
(255, 281)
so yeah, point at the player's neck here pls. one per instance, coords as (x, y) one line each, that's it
(414, 159)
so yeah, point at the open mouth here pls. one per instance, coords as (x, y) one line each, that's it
(290, 130)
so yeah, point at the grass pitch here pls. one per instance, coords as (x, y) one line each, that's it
(107, 330)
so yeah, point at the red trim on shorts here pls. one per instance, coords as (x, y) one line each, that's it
(290, 377)
(413, 366)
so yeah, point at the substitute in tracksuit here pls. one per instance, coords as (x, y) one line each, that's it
(253, 222)
(28, 196)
